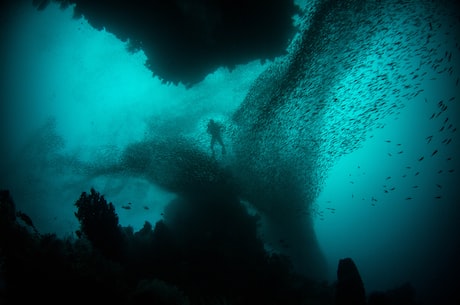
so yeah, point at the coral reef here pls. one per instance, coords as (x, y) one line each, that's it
(206, 250)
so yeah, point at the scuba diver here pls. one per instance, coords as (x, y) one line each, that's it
(215, 130)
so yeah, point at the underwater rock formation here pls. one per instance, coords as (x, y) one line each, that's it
(350, 287)
(186, 40)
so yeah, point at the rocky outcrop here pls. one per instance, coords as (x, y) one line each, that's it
(350, 287)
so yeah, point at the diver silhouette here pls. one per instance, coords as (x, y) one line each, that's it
(215, 130)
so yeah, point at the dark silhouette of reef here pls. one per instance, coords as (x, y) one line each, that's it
(205, 250)
(186, 40)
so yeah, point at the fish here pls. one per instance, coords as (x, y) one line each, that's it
(421, 158)
(429, 138)
(434, 152)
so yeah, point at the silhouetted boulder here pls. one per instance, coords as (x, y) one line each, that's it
(350, 288)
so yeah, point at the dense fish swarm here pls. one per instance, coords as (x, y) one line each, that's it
(354, 64)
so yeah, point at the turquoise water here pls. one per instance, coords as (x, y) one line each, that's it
(351, 120)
